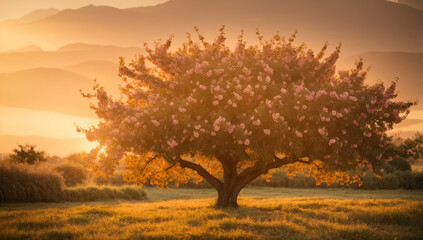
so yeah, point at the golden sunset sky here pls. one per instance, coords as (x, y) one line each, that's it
(45, 59)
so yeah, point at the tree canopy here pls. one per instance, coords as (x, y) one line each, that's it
(231, 115)
(27, 154)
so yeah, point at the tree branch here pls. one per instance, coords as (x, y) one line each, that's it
(216, 183)
(251, 173)
(148, 162)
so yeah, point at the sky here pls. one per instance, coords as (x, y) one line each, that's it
(13, 9)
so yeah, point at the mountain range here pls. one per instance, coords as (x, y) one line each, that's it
(59, 52)
(361, 25)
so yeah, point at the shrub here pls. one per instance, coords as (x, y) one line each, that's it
(115, 180)
(23, 183)
(389, 181)
(82, 194)
(398, 164)
(370, 181)
(72, 174)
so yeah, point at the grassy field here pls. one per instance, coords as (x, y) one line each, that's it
(265, 213)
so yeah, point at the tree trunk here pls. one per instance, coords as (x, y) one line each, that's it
(228, 197)
(228, 194)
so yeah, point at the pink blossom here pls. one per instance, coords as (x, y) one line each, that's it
(367, 134)
(266, 131)
(196, 134)
(197, 127)
(298, 134)
(333, 112)
(381, 170)
(247, 142)
(267, 79)
(332, 141)
(242, 125)
(182, 110)
(155, 122)
(209, 73)
(213, 134)
(301, 118)
(257, 122)
(344, 132)
(378, 157)
(321, 130)
(325, 109)
(283, 90)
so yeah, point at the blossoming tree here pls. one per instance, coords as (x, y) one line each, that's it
(230, 115)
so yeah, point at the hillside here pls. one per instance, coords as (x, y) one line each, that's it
(361, 25)
(46, 89)
(106, 73)
(64, 56)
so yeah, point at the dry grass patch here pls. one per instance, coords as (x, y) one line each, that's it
(267, 217)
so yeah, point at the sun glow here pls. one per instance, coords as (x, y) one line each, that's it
(24, 122)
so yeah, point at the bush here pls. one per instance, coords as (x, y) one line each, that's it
(115, 180)
(72, 174)
(370, 181)
(398, 164)
(82, 194)
(389, 181)
(23, 183)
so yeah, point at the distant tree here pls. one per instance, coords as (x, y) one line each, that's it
(405, 152)
(72, 174)
(27, 154)
(231, 115)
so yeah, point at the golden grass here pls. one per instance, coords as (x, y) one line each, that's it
(265, 213)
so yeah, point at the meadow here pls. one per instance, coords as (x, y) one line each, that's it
(265, 213)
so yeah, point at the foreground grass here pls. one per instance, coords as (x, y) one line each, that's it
(265, 213)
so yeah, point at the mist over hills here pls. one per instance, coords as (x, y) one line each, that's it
(64, 56)
(46, 89)
(361, 25)
(88, 42)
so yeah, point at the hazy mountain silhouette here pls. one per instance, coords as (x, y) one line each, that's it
(64, 56)
(29, 48)
(38, 14)
(32, 16)
(412, 3)
(386, 66)
(46, 89)
(106, 73)
(361, 25)
(52, 146)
